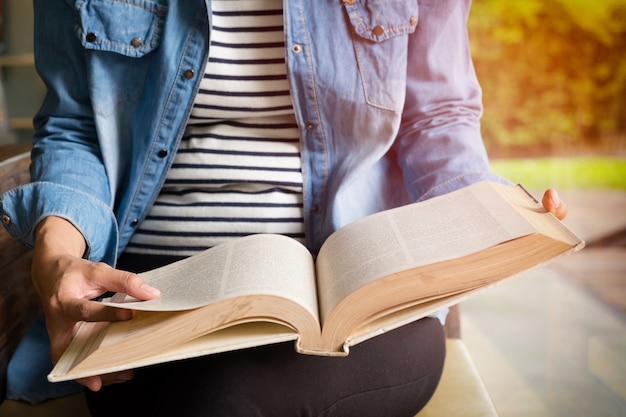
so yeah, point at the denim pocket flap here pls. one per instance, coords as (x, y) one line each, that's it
(379, 20)
(127, 27)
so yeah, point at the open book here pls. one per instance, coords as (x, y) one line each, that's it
(371, 276)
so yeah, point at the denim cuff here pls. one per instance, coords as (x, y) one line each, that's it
(22, 209)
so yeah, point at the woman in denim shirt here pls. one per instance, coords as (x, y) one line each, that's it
(386, 105)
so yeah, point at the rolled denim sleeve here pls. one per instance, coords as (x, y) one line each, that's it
(25, 206)
(439, 146)
(68, 176)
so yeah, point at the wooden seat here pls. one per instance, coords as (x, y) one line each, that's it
(461, 391)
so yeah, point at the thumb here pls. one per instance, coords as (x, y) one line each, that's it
(135, 286)
(126, 282)
(553, 203)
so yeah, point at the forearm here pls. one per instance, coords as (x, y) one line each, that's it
(439, 145)
(57, 234)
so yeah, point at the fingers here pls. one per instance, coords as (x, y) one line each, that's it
(81, 281)
(66, 283)
(553, 203)
(110, 279)
(66, 286)
(76, 302)
(95, 383)
(136, 287)
(87, 310)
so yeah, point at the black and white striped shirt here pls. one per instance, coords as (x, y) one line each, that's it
(237, 171)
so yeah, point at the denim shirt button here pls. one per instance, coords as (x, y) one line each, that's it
(162, 153)
(134, 223)
(413, 21)
(6, 219)
(136, 42)
(310, 126)
(91, 37)
(189, 74)
(296, 49)
(378, 30)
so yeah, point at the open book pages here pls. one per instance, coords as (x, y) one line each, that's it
(371, 276)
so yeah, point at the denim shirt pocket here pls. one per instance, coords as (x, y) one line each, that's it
(127, 27)
(380, 36)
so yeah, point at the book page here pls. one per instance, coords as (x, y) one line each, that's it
(534, 212)
(237, 337)
(445, 227)
(256, 264)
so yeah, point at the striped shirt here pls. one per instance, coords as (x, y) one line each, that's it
(237, 171)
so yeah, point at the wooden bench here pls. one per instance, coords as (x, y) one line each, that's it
(460, 393)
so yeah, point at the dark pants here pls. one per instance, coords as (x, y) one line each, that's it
(393, 374)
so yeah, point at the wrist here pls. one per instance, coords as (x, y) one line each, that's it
(55, 233)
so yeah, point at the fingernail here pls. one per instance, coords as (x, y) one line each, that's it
(556, 200)
(151, 290)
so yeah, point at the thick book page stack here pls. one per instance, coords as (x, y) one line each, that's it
(371, 276)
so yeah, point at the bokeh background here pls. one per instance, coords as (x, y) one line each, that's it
(552, 342)
(553, 74)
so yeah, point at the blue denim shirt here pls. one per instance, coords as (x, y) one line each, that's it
(384, 92)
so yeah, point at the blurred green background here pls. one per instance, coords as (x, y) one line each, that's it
(553, 74)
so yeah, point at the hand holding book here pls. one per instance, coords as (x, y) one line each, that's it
(371, 276)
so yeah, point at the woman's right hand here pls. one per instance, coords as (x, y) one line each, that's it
(66, 284)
